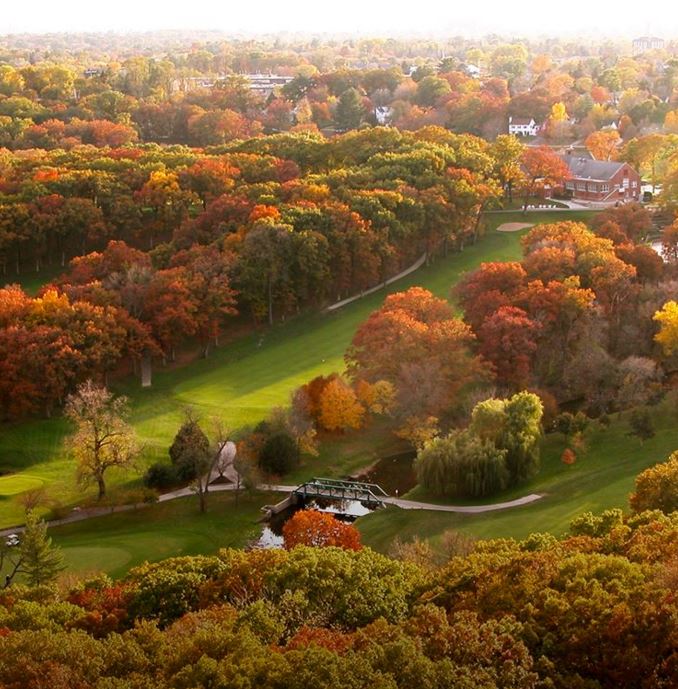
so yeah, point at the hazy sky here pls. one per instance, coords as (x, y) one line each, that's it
(609, 17)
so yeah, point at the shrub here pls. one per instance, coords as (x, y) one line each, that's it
(161, 475)
(568, 456)
(279, 454)
(657, 487)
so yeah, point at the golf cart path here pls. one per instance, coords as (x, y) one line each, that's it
(79, 515)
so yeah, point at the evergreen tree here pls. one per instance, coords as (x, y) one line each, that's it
(350, 111)
(41, 561)
(190, 451)
(279, 455)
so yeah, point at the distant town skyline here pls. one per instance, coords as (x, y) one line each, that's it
(349, 17)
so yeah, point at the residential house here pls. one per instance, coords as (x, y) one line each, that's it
(383, 114)
(601, 181)
(522, 126)
(647, 43)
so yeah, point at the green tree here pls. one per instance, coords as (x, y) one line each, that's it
(641, 424)
(279, 454)
(430, 89)
(514, 425)
(42, 561)
(350, 110)
(462, 464)
(190, 449)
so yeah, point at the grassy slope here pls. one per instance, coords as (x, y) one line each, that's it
(602, 479)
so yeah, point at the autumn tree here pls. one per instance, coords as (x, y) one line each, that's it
(320, 530)
(670, 243)
(603, 144)
(507, 152)
(657, 487)
(509, 340)
(339, 407)
(103, 439)
(415, 343)
(667, 336)
(542, 167)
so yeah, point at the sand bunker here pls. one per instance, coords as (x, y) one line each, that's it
(514, 226)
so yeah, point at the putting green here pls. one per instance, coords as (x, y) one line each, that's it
(14, 484)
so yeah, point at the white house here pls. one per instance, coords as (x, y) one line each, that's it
(383, 114)
(522, 126)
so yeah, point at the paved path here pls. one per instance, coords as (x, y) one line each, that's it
(463, 509)
(81, 515)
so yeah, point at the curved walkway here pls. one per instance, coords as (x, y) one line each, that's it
(91, 513)
(463, 509)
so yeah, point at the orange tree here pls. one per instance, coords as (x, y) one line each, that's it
(313, 528)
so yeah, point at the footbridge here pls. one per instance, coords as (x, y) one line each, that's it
(370, 494)
(336, 489)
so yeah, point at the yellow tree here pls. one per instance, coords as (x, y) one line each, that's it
(557, 124)
(603, 144)
(657, 487)
(339, 407)
(103, 439)
(671, 122)
(668, 327)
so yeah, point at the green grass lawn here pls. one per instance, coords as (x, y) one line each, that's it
(240, 382)
(601, 479)
(115, 543)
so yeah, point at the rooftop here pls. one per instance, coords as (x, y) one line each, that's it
(587, 168)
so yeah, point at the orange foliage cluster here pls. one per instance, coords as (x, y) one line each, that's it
(320, 529)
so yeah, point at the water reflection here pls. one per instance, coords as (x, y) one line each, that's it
(395, 474)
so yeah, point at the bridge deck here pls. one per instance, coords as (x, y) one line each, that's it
(343, 490)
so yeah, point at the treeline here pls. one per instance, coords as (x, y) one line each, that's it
(196, 94)
(594, 609)
(172, 241)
